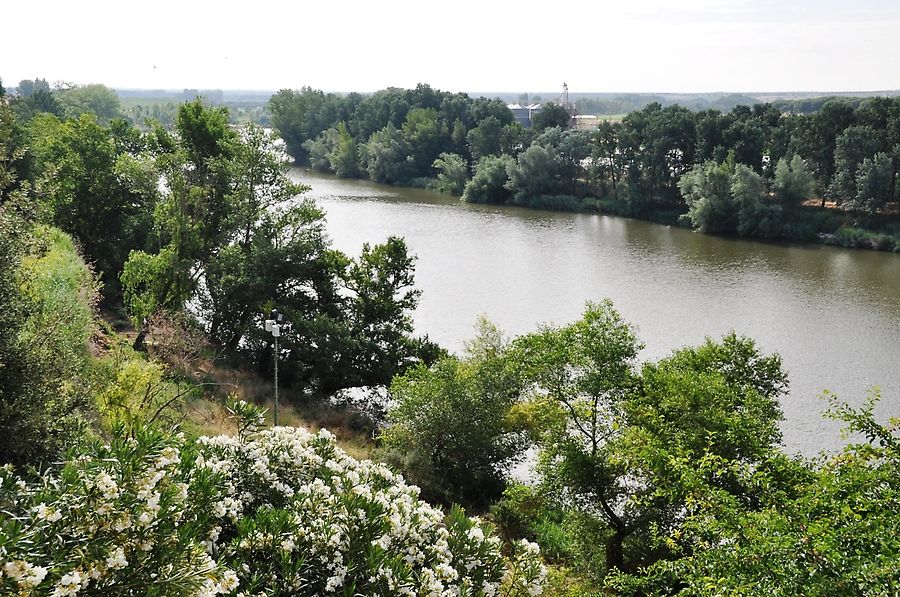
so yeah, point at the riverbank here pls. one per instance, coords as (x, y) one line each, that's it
(807, 223)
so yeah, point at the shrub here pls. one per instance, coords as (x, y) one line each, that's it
(277, 512)
(47, 296)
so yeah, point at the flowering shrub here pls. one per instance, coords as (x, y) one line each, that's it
(274, 512)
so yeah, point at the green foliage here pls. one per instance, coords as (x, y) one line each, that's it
(484, 139)
(551, 115)
(132, 392)
(827, 527)
(449, 428)
(47, 296)
(865, 239)
(453, 173)
(384, 156)
(853, 145)
(609, 437)
(874, 181)
(490, 182)
(707, 192)
(536, 173)
(793, 181)
(100, 196)
(96, 99)
(729, 198)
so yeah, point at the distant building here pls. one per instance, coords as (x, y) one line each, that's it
(585, 122)
(524, 115)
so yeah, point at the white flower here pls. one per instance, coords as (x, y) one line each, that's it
(45, 513)
(69, 584)
(117, 559)
(107, 485)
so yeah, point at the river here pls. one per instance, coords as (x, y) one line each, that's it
(832, 314)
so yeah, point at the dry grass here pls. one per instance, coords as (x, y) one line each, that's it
(188, 355)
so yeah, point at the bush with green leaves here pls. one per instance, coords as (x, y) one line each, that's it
(274, 512)
(449, 428)
(47, 296)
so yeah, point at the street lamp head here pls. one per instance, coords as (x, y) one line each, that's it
(269, 324)
(276, 330)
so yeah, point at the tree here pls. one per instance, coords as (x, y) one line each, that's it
(27, 87)
(425, 135)
(551, 115)
(853, 145)
(94, 192)
(537, 172)
(344, 158)
(707, 192)
(96, 99)
(793, 181)
(301, 116)
(484, 139)
(874, 181)
(384, 156)
(580, 374)
(449, 428)
(609, 434)
(489, 184)
(383, 297)
(827, 527)
(608, 159)
(452, 174)
(757, 215)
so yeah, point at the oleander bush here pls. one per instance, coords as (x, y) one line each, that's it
(268, 512)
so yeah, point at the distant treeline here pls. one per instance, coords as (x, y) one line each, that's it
(36, 96)
(748, 171)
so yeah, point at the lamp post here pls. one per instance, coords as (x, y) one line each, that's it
(273, 326)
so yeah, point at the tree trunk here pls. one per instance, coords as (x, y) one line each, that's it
(615, 557)
(140, 340)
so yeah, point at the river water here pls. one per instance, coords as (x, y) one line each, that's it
(832, 314)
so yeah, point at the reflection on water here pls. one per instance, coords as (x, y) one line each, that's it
(833, 314)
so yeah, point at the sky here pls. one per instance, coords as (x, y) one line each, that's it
(457, 45)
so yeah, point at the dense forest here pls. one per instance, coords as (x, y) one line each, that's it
(659, 477)
(752, 171)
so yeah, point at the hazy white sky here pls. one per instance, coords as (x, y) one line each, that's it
(460, 45)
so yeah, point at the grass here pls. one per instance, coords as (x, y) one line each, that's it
(190, 359)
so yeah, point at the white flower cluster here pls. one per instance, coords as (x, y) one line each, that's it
(355, 523)
(280, 510)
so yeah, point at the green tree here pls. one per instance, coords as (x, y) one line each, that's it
(551, 115)
(299, 116)
(707, 192)
(452, 174)
(489, 183)
(826, 527)
(537, 172)
(484, 139)
(580, 375)
(425, 135)
(608, 433)
(344, 157)
(94, 192)
(853, 145)
(757, 215)
(384, 156)
(449, 428)
(96, 99)
(793, 181)
(874, 181)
